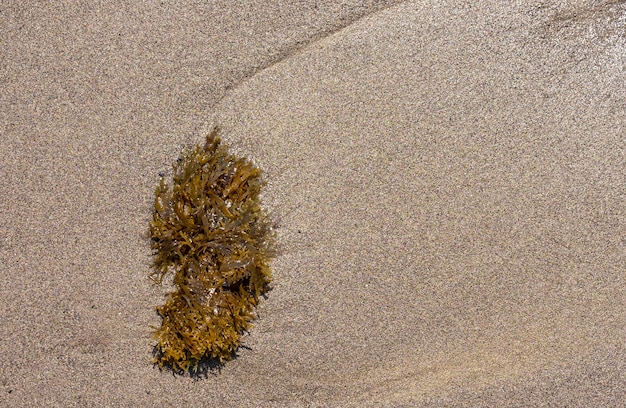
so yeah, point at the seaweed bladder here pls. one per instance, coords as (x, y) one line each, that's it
(212, 237)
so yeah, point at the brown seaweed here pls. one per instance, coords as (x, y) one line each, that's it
(212, 237)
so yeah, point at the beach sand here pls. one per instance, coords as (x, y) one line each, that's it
(447, 181)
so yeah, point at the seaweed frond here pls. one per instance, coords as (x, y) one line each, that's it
(212, 236)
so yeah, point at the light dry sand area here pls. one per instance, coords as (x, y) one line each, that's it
(448, 180)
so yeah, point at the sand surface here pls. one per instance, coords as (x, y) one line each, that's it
(448, 181)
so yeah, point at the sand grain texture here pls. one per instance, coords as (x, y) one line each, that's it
(448, 182)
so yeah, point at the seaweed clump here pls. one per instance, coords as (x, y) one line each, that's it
(212, 236)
